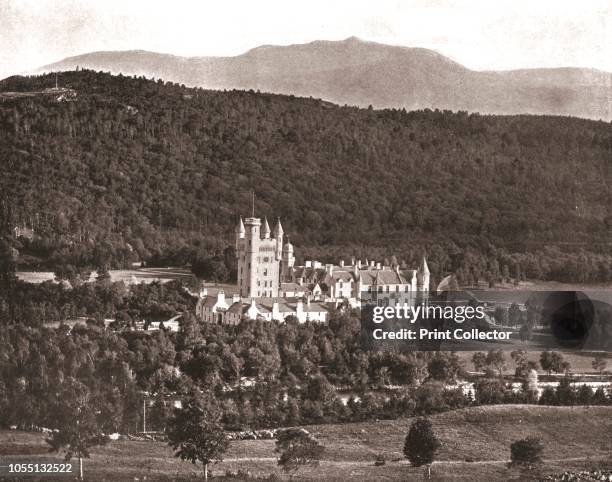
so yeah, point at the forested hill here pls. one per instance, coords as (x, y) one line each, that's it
(137, 168)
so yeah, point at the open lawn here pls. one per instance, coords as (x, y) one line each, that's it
(581, 362)
(475, 446)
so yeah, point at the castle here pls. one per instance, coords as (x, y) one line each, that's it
(271, 287)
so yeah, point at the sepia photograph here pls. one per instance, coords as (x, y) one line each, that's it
(306, 240)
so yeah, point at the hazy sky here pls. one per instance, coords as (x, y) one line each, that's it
(481, 34)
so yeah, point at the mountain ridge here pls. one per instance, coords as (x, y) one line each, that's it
(363, 73)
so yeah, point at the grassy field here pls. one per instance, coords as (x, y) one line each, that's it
(475, 446)
(581, 362)
(139, 275)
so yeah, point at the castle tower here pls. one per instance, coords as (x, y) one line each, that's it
(287, 262)
(258, 259)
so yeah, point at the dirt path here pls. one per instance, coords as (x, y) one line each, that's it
(401, 462)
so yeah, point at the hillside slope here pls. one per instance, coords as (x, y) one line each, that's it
(157, 167)
(361, 73)
(574, 437)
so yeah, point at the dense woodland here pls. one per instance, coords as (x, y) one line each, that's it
(135, 169)
(296, 373)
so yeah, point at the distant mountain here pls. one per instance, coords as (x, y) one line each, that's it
(357, 72)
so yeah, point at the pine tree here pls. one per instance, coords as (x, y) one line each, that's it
(421, 444)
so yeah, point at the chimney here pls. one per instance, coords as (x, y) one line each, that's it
(236, 298)
(352, 260)
(342, 263)
(378, 266)
(372, 264)
(359, 264)
(203, 292)
(329, 268)
(308, 264)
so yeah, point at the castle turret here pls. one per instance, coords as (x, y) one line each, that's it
(265, 230)
(422, 276)
(287, 262)
(278, 235)
(240, 232)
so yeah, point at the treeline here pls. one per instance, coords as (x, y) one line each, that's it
(35, 305)
(266, 374)
(141, 170)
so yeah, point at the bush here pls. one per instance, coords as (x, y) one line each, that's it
(380, 460)
(527, 451)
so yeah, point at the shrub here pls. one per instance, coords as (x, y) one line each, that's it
(380, 460)
(527, 451)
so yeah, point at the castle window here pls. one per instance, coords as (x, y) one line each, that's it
(265, 272)
(406, 290)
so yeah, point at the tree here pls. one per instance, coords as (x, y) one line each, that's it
(501, 315)
(600, 363)
(77, 429)
(297, 447)
(527, 451)
(421, 444)
(195, 431)
(514, 314)
(551, 361)
(444, 367)
(497, 360)
(479, 360)
(526, 331)
(8, 258)
(520, 361)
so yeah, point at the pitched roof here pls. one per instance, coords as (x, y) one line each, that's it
(381, 277)
(292, 287)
